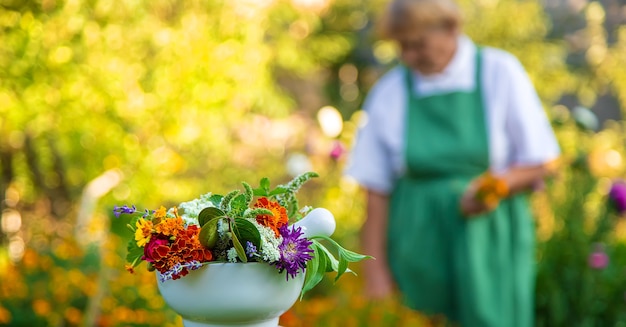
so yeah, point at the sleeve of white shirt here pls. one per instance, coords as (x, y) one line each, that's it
(530, 133)
(370, 161)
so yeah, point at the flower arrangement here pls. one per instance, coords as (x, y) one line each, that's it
(256, 225)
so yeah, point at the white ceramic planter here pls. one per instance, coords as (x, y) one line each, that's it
(240, 294)
(232, 294)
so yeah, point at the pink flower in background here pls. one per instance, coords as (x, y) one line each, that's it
(598, 259)
(617, 194)
(337, 151)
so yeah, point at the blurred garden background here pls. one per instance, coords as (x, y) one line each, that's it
(106, 102)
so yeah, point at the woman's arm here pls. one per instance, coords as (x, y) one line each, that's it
(518, 179)
(378, 280)
(521, 179)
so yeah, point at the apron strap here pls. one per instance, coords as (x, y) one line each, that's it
(478, 73)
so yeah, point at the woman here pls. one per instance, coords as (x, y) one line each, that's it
(452, 112)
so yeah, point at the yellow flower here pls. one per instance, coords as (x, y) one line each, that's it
(143, 232)
(160, 213)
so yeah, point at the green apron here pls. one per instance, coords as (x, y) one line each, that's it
(477, 272)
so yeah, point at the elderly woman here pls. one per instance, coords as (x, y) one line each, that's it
(437, 123)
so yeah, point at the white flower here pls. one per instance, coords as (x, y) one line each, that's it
(269, 251)
(305, 210)
(222, 228)
(191, 209)
(232, 255)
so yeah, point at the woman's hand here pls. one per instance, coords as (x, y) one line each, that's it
(485, 192)
(470, 205)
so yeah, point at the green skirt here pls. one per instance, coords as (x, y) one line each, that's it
(477, 272)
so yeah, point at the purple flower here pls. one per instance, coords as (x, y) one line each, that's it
(180, 270)
(117, 211)
(194, 265)
(251, 250)
(617, 194)
(294, 251)
(598, 259)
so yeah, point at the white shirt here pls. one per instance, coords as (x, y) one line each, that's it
(518, 130)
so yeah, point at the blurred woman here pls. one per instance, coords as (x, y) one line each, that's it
(436, 124)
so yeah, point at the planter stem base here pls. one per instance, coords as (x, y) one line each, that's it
(264, 323)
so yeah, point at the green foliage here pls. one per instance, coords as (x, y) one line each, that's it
(134, 253)
(576, 221)
(324, 261)
(208, 233)
(227, 199)
(288, 198)
(208, 214)
(315, 269)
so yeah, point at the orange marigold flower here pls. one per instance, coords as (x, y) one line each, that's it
(184, 249)
(279, 217)
(170, 226)
(143, 233)
(491, 189)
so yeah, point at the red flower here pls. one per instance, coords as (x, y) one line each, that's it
(166, 254)
(155, 249)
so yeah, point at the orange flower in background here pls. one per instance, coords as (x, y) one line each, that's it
(143, 233)
(491, 189)
(129, 268)
(276, 221)
(5, 316)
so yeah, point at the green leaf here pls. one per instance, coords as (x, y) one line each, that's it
(209, 235)
(279, 190)
(208, 214)
(225, 203)
(134, 253)
(246, 231)
(343, 265)
(241, 253)
(249, 192)
(352, 256)
(288, 198)
(264, 188)
(311, 269)
(293, 207)
(238, 205)
(349, 255)
(299, 180)
(216, 199)
(252, 213)
(345, 256)
(333, 263)
(316, 268)
(265, 184)
(260, 192)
